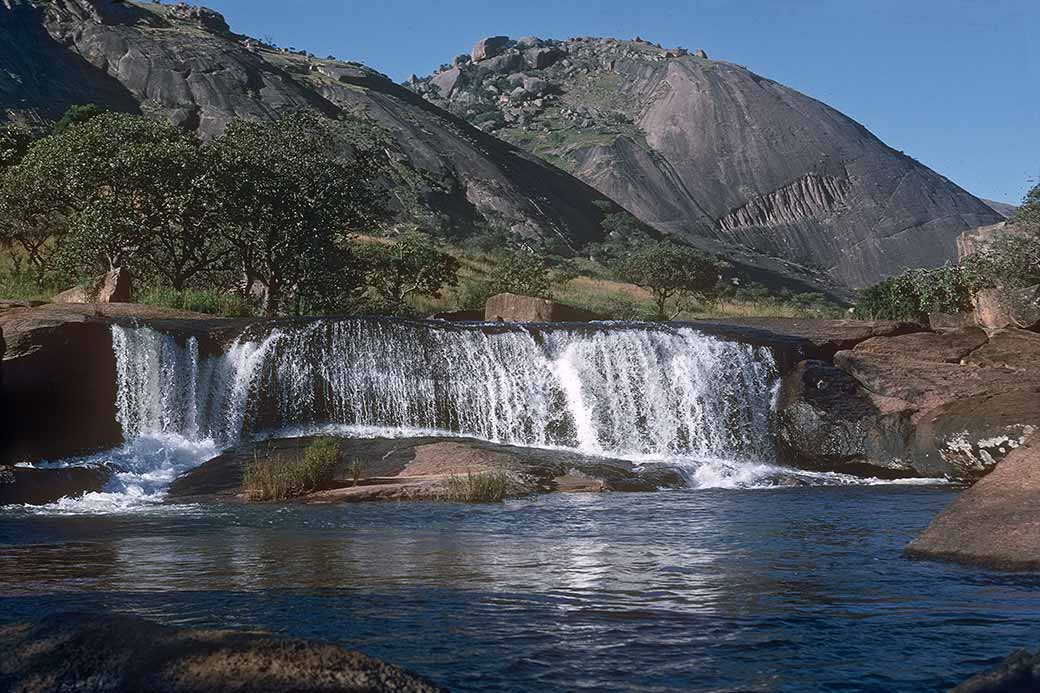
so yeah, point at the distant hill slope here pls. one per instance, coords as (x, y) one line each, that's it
(715, 154)
(183, 63)
(1002, 208)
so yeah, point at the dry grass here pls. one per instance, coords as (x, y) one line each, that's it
(276, 477)
(481, 487)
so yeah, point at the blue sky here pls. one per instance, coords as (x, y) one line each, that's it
(953, 83)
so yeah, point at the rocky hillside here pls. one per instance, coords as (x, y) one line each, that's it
(184, 63)
(713, 153)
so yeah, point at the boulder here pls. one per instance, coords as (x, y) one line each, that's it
(202, 17)
(979, 239)
(995, 523)
(998, 308)
(31, 486)
(446, 81)
(528, 41)
(505, 63)
(82, 652)
(700, 53)
(516, 308)
(541, 58)
(1010, 348)
(489, 47)
(535, 86)
(112, 287)
(826, 421)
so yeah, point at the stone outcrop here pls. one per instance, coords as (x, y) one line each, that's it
(488, 48)
(926, 404)
(58, 386)
(996, 309)
(29, 486)
(516, 308)
(86, 652)
(995, 523)
(111, 287)
(181, 63)
(812, 199)
(419, 468)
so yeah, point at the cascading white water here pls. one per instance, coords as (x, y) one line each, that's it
(626, 391)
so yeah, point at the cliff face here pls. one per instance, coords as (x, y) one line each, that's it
(715, 154)
(184, 64)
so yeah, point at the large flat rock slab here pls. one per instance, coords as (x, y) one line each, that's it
(418, 469)
(995, 523)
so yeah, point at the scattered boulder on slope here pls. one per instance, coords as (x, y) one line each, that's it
(489, 48)
(995, 523)
(75, 651)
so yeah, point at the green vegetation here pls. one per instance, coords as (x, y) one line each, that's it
(276, 477)
(916, 293)
(482, 487)
(1029, 211)
(672, 273)
(76, 115)
(521, 272)
(414, 264)
(210, 301)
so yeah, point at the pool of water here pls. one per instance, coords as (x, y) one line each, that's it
(788, 589)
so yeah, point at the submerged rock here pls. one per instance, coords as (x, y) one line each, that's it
(84, 652)
(418, 469)
(1018, 673)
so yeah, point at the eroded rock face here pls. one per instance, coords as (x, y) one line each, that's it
(813, 197)
(108, 652)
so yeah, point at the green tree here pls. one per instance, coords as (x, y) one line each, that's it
(287, 196)
(80, 113)
(413, 264)
(130, 192)
(1029, 211)
(671, 272)
(524, 273)
(14, 143)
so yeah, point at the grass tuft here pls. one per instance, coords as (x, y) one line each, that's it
(278, 478)
(483, 487)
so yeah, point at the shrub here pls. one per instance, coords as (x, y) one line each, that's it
(524, 273)
(483, 487)
(671, 272)
(473, 294)
(277, 478)
(916, 293)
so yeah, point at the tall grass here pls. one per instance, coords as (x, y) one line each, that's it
(209, 301)
(491, 486)
(277, 477)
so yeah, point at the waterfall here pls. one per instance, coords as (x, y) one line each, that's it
(627, 390)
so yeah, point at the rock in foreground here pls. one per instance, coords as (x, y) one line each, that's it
(995, 523)
(125, 653)
(29, 486)
(1019, 673)
(419, 469)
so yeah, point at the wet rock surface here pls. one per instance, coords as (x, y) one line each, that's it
(1018, 673)
(125, 653)
(31, 486)
(418, 469)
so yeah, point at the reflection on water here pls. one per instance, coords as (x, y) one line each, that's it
(792, 589)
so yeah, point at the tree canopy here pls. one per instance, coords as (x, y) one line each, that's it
(671, 272)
